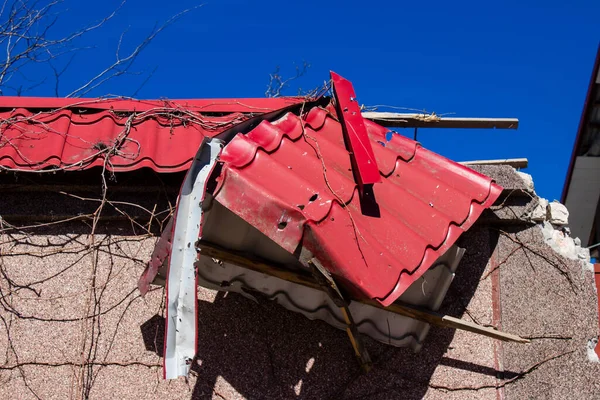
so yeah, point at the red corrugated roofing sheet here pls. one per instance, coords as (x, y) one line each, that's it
(72, 134)
(292, 179)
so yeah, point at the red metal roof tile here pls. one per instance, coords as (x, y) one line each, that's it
(297, 187)
(72, 134)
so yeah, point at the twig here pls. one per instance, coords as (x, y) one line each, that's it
(277, 83)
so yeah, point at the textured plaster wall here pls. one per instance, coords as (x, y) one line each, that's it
(72, 325)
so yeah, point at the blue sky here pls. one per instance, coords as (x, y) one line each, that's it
(473, 59)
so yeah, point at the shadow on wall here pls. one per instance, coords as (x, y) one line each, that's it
(264, 351)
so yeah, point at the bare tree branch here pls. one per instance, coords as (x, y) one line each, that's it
(27, 41)
(25, 35)
(122, 64)
(277, 83)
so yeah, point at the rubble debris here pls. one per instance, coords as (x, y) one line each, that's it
(540, 212)
(528, 180)
(591, 350)
(560, 241)
(551, 217)
(558, 213)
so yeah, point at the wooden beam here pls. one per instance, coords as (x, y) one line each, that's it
(446, 321)
(513, 162)
(419, 314)
(404, 120)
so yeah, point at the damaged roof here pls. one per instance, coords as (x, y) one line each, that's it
(292, 178)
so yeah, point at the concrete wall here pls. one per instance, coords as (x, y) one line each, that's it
(73, 325)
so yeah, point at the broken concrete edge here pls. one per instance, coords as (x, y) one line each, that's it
(551, 217)
(553, 220)
(559, 239)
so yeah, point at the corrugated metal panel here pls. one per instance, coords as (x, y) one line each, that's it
(37, 134)
(427, 292)
(239, 236)
(292, 179)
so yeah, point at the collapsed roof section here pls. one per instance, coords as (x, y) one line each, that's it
(293, 180)
(375, 209)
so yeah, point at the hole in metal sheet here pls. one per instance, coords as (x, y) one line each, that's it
(281, 225)
(313, 197)
(300, 206)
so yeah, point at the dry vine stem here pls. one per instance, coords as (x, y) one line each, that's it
(317, 151)
(86, 369)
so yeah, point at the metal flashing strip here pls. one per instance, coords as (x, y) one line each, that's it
(181, 318)
(355, 132)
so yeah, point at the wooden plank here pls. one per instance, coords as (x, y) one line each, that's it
(328, 284)
(406, 310)
(405, 120)
(513, 162)
(447, 321)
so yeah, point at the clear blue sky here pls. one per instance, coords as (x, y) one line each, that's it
(480, 59)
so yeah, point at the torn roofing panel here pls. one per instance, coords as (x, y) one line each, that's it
(75, 134)
(292, 179)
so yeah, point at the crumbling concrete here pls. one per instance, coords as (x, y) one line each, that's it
(551, 217)
(527, 180)
(561, 242)
(540, 212)
(558, 214)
